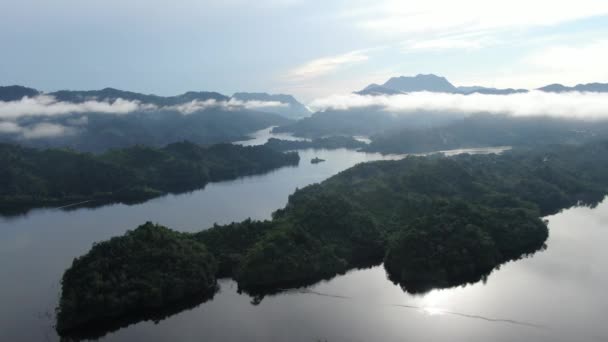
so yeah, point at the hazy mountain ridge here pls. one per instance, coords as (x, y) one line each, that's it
(72, 121)
(97, 120)
(438, 84)
(112, 94)
(293, 109)
(16, 92)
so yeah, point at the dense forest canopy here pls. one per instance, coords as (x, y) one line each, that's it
(433, 131)
(31, 177)
(435, 222)
(485, 130)
(151, 268)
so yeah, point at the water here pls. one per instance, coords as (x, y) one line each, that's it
(261, 137)
(556, 295)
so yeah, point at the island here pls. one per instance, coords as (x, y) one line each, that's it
(316, 160)
(434, 221)
(152, 268)
(327, 143)
(57, 177)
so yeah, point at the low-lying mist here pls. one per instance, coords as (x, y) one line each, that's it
(575, 105)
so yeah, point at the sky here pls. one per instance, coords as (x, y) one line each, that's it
(311, 49)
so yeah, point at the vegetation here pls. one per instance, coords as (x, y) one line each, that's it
(149, 268)
(486, 130)
(362, 121)
(159, 121)
(30, 178)
(98, 132)
(421, 132)
(328, 143)
(435, 222)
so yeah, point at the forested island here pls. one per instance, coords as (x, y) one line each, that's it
(56, 177)
(328, 143)
(434, 221)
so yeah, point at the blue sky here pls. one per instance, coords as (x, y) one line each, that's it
(307, 48)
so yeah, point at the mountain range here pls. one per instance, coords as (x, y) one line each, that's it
(156, 121)
(438, 84)
(290, 107)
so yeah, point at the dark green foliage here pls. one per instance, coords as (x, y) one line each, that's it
(485, 130)
(228, 243)
(329, 143)
(362, 121)
(477, 210)
(148, 268)
(460, 243)
(435, 221)
(31, 177)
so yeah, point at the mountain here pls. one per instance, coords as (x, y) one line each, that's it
(159, 125)
(421, 82)
(291, 109)
(363, 121)
(98, 132)
(404, 84)
(489, 91)
(589, 87)
(489, 130)
(111, 94)
(375, 89)
(437, 84)
(16, 93)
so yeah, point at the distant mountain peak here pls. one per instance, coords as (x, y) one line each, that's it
(407, 84)
(439, 84)
(16, 93)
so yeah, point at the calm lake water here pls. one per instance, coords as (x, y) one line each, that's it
(556, 295)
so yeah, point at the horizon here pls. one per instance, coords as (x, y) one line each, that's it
(305, 49)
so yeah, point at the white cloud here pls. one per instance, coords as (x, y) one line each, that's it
(232, 104)
(467, 41)
(46, 130)
(48, 106)
(441, 16)
(9, 127)
(586, 58)
(322, 66)
(535, 103)
(557, 63)
(36, 131)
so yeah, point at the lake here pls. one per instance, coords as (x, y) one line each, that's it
(556, 295)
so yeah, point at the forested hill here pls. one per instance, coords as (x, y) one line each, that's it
(31, 177)
(435, 222)
(487, 130)
(98, 132)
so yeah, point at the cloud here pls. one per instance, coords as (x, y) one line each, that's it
(469, 41)
(556, 63)
(322, 66)
(590, 57)
(9, 127)
(232, 104)
(36, 131)
(442, 16)
(46, 130)
(47, 106)
(535, 103)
